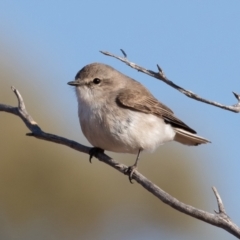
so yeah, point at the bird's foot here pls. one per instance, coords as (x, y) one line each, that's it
(93, 152)
(130, 171)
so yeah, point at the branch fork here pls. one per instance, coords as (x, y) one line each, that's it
(218, 218)
(161, 76)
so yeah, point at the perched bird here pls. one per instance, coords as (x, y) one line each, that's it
(119, 114)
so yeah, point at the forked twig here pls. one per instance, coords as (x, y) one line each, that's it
(161, 76)
(219, 219)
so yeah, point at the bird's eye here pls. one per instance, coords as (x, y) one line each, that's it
(96, 80)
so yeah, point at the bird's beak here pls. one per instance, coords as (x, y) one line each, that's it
(73, 83)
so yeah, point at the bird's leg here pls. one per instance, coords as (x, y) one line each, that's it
(130, 170)
(93, 151)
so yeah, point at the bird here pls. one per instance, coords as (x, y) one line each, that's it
(118, 114)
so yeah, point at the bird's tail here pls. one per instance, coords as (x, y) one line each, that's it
(188, 138)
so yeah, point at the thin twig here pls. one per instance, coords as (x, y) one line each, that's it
(161, 76)
(218, 219)
(221, 209)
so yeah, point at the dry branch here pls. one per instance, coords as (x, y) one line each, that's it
(161, 76)
(219, 219)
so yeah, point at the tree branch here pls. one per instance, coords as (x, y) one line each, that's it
(161, 76)
(219, 219)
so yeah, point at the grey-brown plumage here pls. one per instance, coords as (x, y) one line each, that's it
(137, 101)
(119, 114)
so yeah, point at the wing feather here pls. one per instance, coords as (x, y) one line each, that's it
(143, 101)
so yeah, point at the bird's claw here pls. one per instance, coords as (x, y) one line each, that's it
(130, 171)
(93, 152)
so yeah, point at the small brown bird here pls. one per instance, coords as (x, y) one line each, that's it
(119, 114)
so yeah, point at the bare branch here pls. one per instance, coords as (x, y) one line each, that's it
(219, 219)
(221, 209)
(161, 76)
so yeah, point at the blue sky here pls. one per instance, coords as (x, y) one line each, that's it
(197, 43)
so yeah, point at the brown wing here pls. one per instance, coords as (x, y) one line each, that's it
(143, 101)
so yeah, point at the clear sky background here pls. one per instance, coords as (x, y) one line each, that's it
(44, 43)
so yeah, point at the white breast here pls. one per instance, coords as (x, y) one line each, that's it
(122, 130)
